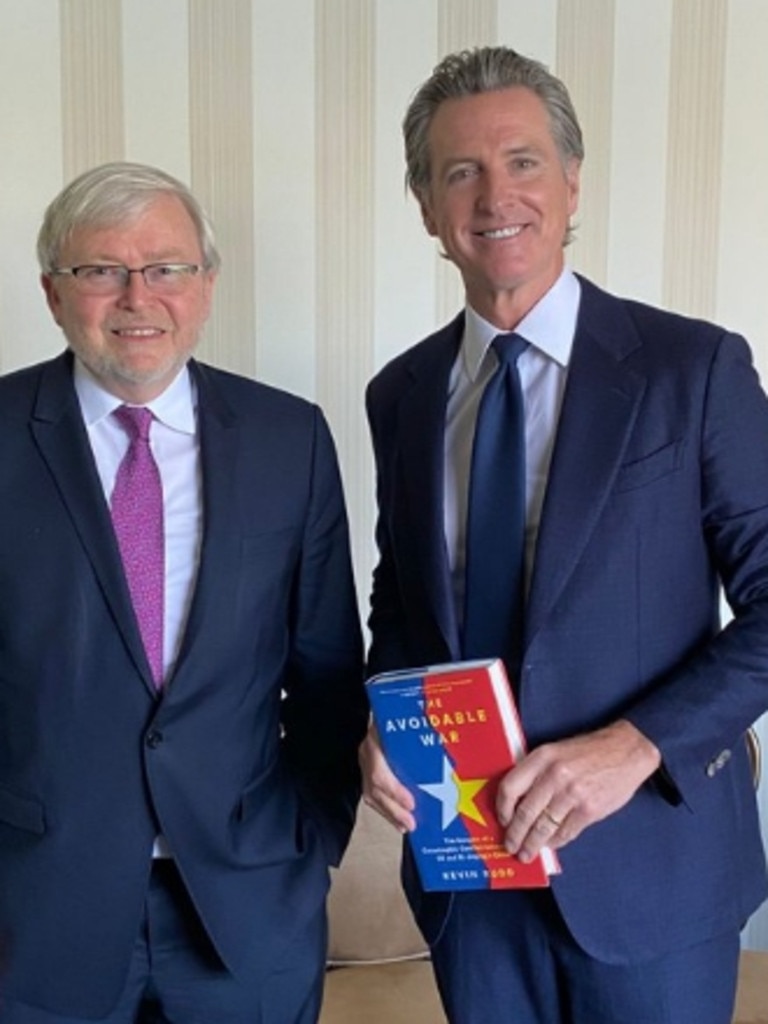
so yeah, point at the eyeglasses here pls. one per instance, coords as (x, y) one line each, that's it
(112, 278)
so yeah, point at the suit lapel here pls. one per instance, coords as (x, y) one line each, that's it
(219, 550)
(600, 406)
(421, 428)
(58, 430)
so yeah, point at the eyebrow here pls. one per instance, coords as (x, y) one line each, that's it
(528, 149)
(170, 255)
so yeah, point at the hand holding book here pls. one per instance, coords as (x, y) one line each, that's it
(382, 790)
(563, 787)
(450, 733)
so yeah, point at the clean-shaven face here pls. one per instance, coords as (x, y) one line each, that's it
(500, 199)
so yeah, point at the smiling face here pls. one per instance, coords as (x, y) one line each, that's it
(500, 199)
(135, 341)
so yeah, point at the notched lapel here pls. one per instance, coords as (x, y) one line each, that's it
(58, 430)
(600, 406)
(421, 429)
(219, 550)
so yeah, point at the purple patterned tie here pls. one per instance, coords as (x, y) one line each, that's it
(137, 515)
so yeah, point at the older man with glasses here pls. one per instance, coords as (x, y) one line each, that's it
(180, 656)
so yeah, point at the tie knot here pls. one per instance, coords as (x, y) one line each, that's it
(135, 420)
(508, 347)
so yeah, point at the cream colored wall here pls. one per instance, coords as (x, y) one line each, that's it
(284, 115)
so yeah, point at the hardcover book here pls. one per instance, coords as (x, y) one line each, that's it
(450, 733)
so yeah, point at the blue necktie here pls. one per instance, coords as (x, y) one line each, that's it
(495, 539)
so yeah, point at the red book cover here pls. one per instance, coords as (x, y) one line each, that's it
(450, 733)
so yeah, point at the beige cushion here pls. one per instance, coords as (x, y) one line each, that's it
(752, 995)
(399, 993)
(368, 915)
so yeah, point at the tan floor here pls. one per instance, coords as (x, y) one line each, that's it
(405, 993)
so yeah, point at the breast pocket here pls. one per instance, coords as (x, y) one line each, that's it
(266, 572)
(643, 471)
(272, 544)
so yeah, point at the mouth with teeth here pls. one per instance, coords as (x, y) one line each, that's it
(501, 233)
(138, 332)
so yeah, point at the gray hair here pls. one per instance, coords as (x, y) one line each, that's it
(111, 194)
(485, 69)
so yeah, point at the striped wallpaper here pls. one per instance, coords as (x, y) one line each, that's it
(284, 115)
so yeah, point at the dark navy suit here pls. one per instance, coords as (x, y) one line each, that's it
(658, 488)
(93, 764)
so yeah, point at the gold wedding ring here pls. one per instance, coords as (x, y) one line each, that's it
(552, 818)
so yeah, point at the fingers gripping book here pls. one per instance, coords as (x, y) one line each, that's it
(450, 733)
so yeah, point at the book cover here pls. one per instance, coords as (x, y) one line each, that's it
(450, 732)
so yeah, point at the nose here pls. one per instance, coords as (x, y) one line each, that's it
(135, 291)
(495, 191)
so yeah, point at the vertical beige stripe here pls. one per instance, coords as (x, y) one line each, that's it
(285, 193)
(466, 23)
(585, 51)
(695, 154)
(221, 130)
(462, 24)
(529, 28)
(156, 83)
(345, 247)
(91, 83)
(640, 104)
(742, 300)
(30, 174)
(405, 265)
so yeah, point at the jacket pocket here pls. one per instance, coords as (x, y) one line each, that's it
(269, 819)
(652, 467)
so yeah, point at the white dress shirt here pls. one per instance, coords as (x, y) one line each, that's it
(174, 443)
(549, 328)
(176, 449)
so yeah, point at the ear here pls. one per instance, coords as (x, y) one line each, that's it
(52, 296)
(427, 216)
(209, 282)
(573, 182)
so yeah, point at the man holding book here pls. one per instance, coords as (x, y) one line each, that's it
(636, 476)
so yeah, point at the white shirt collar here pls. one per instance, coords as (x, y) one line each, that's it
(550, 326)
(174, 407)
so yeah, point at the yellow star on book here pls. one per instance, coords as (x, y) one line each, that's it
(456, 795)
(468, 790)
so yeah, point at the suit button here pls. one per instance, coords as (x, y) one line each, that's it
(718, 762)
(154, 739)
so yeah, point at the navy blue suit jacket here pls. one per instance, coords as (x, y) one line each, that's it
(658, 489)
(254, 791)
